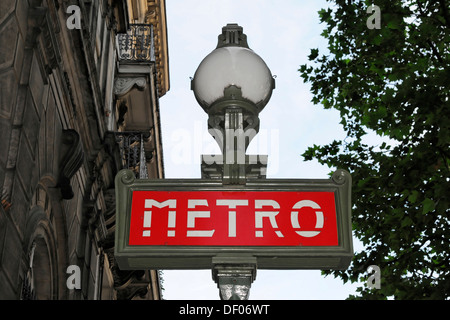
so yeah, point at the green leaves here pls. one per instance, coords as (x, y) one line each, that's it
(413, 196)
(314, 54)
(392, 81)
(428, 205)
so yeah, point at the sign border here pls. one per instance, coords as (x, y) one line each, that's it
(200, 257)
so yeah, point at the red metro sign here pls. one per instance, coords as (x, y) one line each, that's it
(233, 218)
(189, 223)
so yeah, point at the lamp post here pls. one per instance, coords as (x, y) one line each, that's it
(233, 85)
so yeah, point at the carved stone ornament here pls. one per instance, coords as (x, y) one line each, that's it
(123, 85)
(72, 157)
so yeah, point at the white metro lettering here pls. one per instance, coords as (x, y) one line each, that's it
(149, 203)
(319, 217)
(232, 204)
(259, 215)
(194, 213)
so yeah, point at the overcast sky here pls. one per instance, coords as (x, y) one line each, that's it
(282, 33)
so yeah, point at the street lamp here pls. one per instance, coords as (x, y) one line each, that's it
(233, 84)
(233, 75)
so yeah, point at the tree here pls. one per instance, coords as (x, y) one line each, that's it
(393, 81)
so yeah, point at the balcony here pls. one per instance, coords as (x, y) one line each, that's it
(135, 121)
(132, 152)
(135, 86)
(137, 44)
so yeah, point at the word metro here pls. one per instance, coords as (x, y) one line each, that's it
(233, 218)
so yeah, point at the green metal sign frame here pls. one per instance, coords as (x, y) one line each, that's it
(201, 257)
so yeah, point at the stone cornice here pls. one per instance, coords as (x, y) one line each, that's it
(156, 15)
(154, 12)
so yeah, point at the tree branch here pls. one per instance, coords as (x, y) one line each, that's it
(433, 48)
(445, 12)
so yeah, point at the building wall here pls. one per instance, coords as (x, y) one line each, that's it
(59, 153)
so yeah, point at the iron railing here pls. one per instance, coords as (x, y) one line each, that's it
(132, 153)
(137, 44)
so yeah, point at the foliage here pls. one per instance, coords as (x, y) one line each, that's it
(393, 81)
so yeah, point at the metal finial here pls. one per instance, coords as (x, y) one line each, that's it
(232, 35)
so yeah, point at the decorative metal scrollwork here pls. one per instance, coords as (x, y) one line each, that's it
(132, 153)
(137, 44)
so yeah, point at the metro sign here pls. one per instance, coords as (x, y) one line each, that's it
(185, 223)
(230, 218)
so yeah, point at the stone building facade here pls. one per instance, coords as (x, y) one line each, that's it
(80, 82)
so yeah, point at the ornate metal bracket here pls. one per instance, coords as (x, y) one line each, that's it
(234, 277)
(233, 127)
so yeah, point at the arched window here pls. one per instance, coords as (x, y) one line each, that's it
(41, 278)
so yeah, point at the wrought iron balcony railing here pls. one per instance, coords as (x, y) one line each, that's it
(132, 153)
(137, 44)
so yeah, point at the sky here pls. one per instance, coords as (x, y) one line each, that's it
(282, 33)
